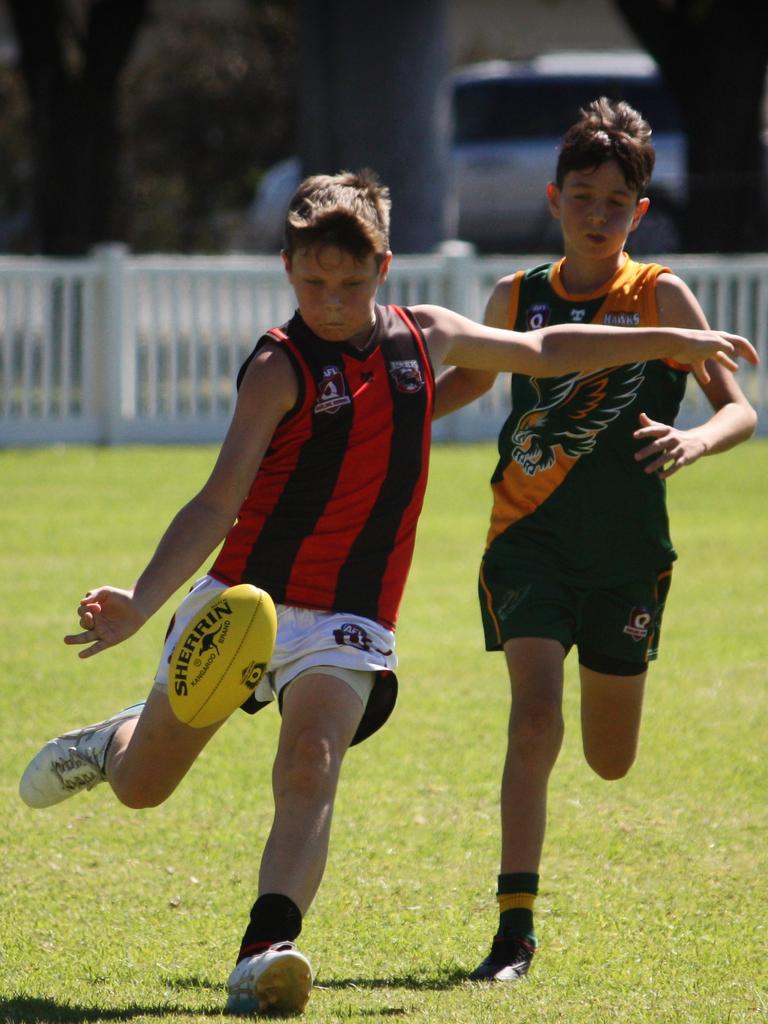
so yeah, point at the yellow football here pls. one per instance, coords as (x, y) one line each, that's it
(222, 655)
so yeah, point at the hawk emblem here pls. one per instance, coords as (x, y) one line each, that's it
(569, 412)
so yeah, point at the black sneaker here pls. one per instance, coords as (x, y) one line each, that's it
(508, 960)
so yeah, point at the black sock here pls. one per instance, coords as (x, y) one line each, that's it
(516, 895)
(274, 918)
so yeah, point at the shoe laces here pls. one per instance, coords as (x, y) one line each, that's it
(93, 760)
(77, 757)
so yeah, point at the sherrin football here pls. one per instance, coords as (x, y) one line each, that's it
(222, 655)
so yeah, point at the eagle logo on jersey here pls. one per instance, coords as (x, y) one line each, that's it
(406, 373)
(569, 412)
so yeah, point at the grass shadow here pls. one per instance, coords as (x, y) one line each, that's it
(28, 1010)
(436, 983)
(24, 1010)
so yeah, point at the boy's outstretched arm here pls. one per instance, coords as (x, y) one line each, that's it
(566, 348)
(109, 615)
(457, 385)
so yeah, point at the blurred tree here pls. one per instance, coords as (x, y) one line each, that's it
(15, 163)
(71, 54)
(209, 104)
(371, 94)
(713, 55)
(159, 145)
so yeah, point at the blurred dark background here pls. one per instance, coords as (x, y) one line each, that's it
(153, 122)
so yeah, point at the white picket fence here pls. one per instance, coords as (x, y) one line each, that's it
(117, 348)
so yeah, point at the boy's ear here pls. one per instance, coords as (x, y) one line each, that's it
(384, 266)
(553, 198)
(286, 258)
(640, 211)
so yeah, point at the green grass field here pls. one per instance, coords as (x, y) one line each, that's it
(654, 901)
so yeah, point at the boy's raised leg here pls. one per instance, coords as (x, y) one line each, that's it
(142, 751)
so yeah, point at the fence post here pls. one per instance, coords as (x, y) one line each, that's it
(112, 373)
(459, 258)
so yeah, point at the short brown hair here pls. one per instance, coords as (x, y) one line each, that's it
(609, 130)
(349, 210)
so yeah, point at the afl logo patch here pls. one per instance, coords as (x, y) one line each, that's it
(331, 390)
(537, 316)
(353, 635)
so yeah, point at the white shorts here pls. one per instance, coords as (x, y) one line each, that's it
(307, 639)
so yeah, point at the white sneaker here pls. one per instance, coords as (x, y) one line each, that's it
(277, 981)
(71, 763)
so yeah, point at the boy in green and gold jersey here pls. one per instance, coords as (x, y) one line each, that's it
(579, 553)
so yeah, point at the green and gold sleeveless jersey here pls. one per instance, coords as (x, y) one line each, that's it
(567, 492)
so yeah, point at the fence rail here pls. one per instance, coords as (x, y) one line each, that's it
(116, 348)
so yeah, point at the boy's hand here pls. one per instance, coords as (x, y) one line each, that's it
(108, 616)
(722, 347)
(668, 448)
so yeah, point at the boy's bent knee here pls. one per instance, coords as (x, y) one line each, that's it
(138, 794)
(611, 769)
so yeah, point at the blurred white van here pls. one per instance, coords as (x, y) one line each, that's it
(508, 120)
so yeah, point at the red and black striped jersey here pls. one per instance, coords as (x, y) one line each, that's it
(330, 519)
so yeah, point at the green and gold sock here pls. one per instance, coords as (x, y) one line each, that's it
(516, 895)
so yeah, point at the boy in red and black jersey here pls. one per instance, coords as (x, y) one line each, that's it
(315, 494)
(330, 521)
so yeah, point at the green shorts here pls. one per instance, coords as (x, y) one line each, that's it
(615, 630)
